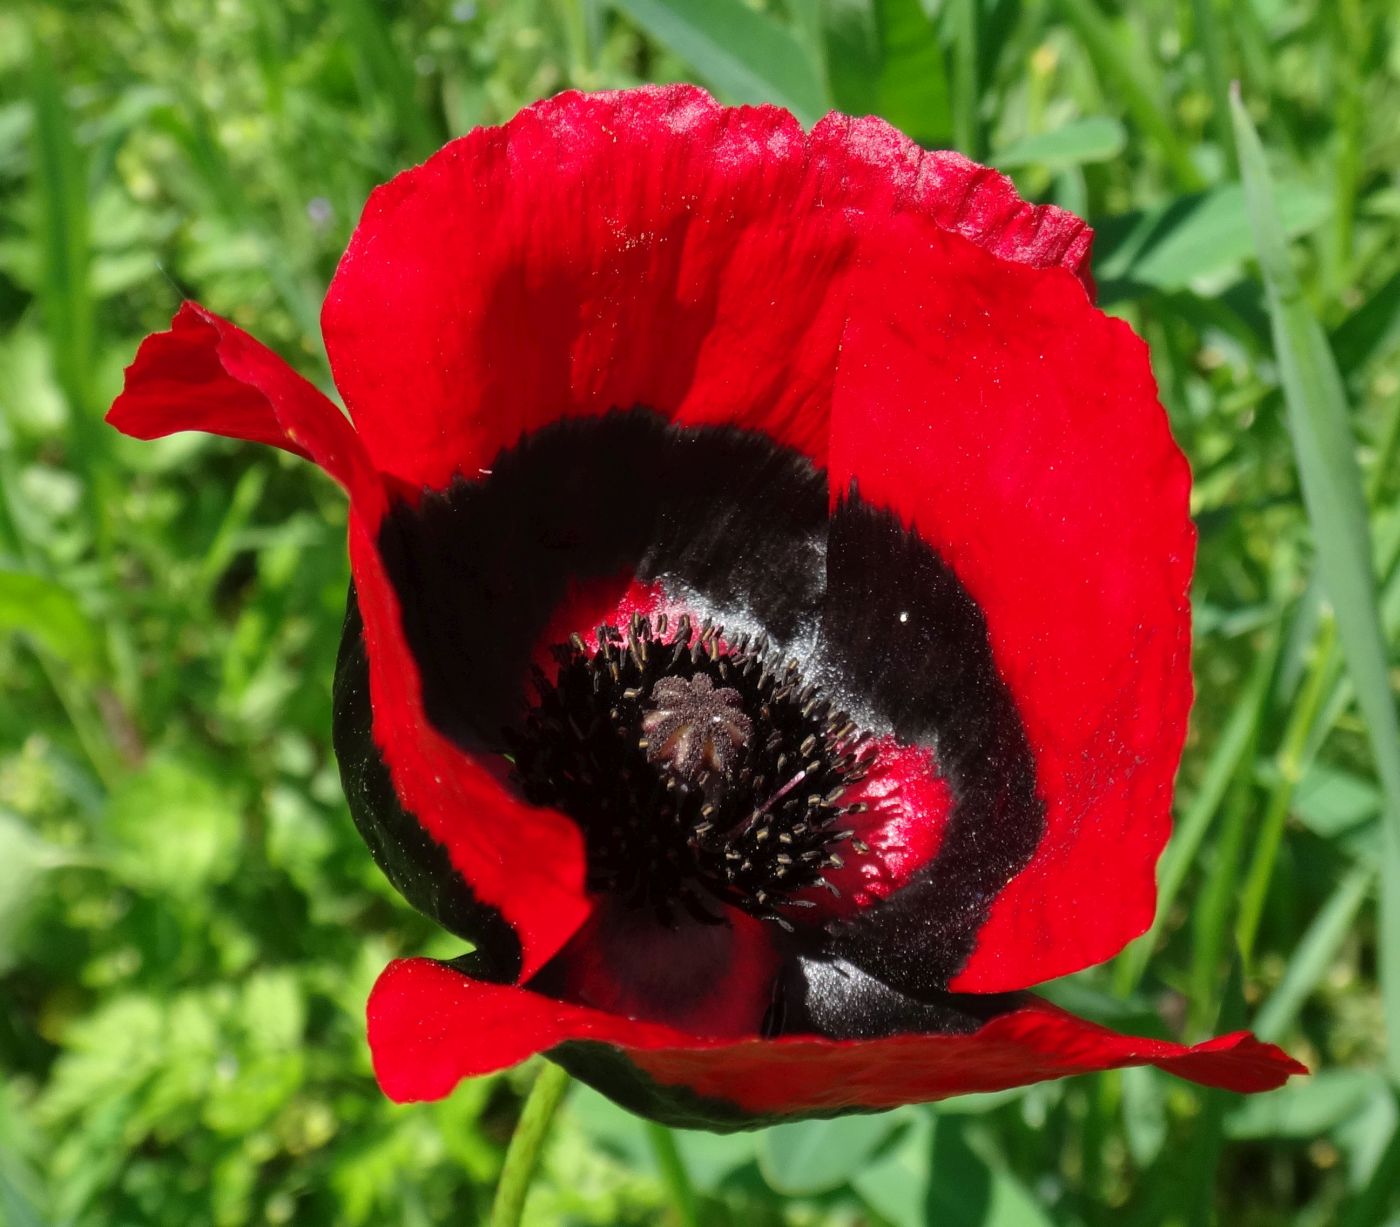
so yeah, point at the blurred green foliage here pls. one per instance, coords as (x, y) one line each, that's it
(188, 924)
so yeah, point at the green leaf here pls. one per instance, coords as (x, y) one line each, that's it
(21, 1190)
(1303, 1109)
(817, 1155)
(177, 829)
(1145, 1123)
(932, 1176)
(24, 859)
(743, 54)
(1094, 139)
(61, 188)
(896, 1184)
(1375, 1201)
(1363, 1137)
(883, 58)
(1318, 419)
(1128, 75)
(47, 614)
(1207, 234)
(1330, 801)
(1315, 954)
(1369, 331)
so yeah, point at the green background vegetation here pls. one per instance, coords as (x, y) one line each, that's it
(188, 923)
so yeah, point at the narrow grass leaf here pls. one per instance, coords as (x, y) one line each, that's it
(883, 58)
(1096, 138)
(384, 72)
(815, 1156)
(60, 182)
(967, 95)
(1315, 955)
(1123, 72)
(1305, 710)
(1208, 37)
(1375, 1202)
(1332, 491)
(1302, 1109)
(1204, 234)
(1239, 734)
(744, 54)
(1369, 331)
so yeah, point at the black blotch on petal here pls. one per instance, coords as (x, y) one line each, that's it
(417, 865)
(836, 999)
(901, 626)
(480, 567)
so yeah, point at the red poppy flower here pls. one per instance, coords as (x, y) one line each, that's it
(769, 633)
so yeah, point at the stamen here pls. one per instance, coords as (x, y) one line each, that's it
(662, 743)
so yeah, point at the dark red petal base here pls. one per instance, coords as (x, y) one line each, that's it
(430, 1026)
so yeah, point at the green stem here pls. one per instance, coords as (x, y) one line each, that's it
(673, 1173)
(523, 1153)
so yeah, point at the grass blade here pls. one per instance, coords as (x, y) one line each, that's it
(1374, 1200)
(1306, 707)
(967, 128)
(384, 72)
(1315, 954)
(1208, 36)
(1123, 75)
(1096, 138)
(65, 294)
(1332, 491)
(1238, 736)
(743, 54)
(884, 58)
(1205, 234)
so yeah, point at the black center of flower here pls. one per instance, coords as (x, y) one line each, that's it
(699, 771)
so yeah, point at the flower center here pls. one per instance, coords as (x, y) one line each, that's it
(699, 773)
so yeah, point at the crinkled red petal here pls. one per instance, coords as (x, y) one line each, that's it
(206, 374)
(646, 247)
(1018, 430)
(430, 1027)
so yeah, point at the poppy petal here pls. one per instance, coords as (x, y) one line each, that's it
(701, 977)
(419, 866)
(207, 374)
(430, 1026)
(646, 247)
(518, 861)
(1017, 430)
(883, 173)
(898, 621)
(512, 864)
